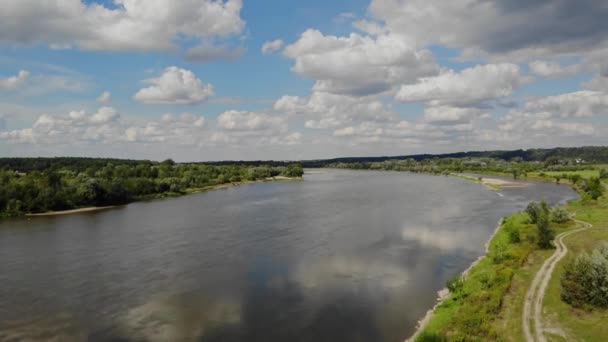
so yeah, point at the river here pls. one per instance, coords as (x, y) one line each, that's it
(341, 256)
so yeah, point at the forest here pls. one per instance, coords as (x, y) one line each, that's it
(37, 185)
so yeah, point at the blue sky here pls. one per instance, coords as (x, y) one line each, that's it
(373, 77)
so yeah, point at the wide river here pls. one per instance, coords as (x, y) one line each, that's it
(340, 256)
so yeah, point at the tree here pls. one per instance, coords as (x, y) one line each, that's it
(539, 214)
(604, 174)
(575, 178)
(545, 233)
(293, 170)
(551, 161)
(533, 211)
(594, 188)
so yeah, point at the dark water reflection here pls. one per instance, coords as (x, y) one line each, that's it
(342, 256)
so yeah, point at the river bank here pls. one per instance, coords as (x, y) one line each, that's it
(488, 302)
(444, 293)
(71, 211)
(163, 195)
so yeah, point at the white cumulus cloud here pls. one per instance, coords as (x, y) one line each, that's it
(356, 64)
(234, 120)
(129, 25)
(467, 87)
(175, 86)
(584, 103)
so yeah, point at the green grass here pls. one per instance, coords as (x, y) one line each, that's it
(490, 304)
(593, 171)
(474, 312)
(582, 173)
(573, 323)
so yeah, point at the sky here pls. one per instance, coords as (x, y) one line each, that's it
(199, 80)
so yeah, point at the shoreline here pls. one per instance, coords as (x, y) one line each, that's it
(444, 293)
(163, 195)
(71, 211)
(491, 182)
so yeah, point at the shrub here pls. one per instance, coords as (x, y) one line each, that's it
(512, 232)
(455, 284)
(585, 279)
(594, 188)
(426, 336)
(559, 215)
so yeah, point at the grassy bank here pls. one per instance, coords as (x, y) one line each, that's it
(488, 304)
(474, 310)
(565, 322)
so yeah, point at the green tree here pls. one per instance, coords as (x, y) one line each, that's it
(594, 188)
(575, 178)
(545, 233)
(539, 214)
(293, 170)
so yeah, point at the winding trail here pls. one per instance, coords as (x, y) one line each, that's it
(533, 305)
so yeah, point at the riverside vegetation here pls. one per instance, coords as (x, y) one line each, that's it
(487, 303)
(37, 185)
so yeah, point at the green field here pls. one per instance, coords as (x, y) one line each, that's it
(593, 171)
(582, 173)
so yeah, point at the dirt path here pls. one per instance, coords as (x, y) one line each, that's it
(533, 305)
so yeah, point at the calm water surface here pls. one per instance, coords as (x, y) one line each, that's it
(341, 256)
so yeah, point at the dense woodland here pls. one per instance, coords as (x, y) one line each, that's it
(34, 185)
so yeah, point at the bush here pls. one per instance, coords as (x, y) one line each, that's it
(585, 279)
(455, 284)
(560, 215)
(594, 188)
(512, 232)
(430, 337)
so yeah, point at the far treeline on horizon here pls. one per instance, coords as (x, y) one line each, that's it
(587, 154)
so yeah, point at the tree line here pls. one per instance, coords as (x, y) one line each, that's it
(589, 154)
(34, 185)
